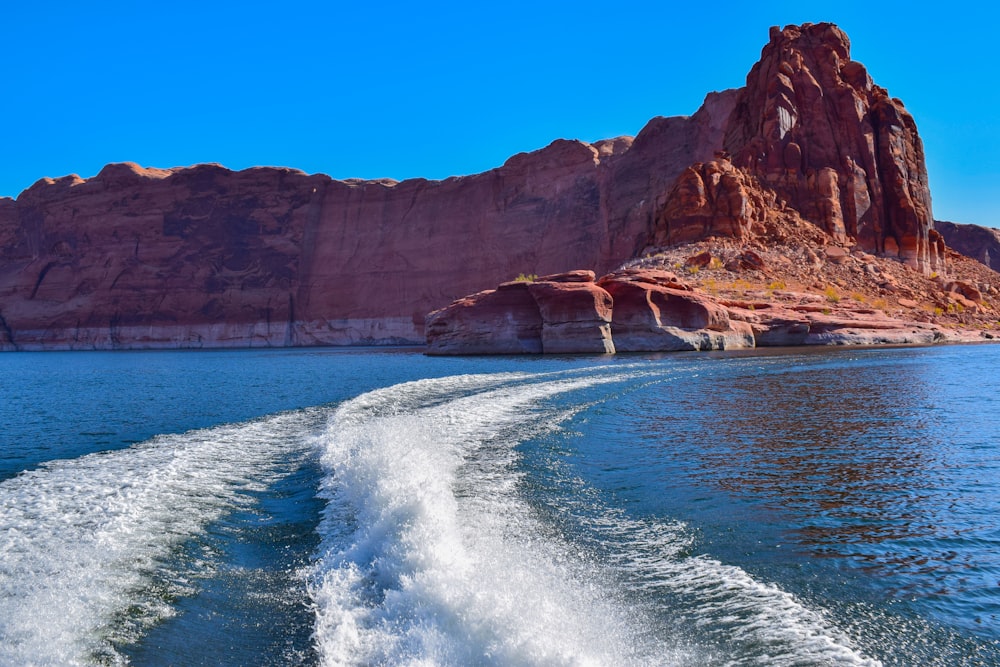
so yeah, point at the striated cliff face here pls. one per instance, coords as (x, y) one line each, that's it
(204, 256)
(812, 136)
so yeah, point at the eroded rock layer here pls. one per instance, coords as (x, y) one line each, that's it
(652, 310)
(558, 314)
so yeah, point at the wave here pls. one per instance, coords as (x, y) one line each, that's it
(86, 544)
(434, 552)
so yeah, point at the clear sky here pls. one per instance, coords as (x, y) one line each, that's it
(385, 89)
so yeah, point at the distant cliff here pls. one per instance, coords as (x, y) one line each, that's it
(204, 256)
(980, 243)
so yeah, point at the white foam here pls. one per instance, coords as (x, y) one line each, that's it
(431, 554)
(83, 541)
(757, 621)
(446, 565)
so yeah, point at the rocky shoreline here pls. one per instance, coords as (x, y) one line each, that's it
(740, 302)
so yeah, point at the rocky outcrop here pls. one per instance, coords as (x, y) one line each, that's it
(805, 319)
(810, 133)
(204, 256)
(712, 199)
(980, 243)
(652, 310)
(557, 314)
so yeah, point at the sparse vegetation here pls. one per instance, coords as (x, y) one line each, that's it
(776, 285)
(526, 278)
(869, 283)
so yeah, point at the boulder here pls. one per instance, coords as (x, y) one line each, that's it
(578, 276)
(964, 288)
(746, 260)
(659, 277)
(699, 261)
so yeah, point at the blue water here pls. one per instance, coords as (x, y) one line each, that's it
(365, 507)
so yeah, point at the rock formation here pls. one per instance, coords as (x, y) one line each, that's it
(811, 135)
(204, 256)
(980, 243)
(652, 310)
(558, 314)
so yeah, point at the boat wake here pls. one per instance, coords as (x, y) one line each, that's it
(436, 551)
(442, 541)
(87, 545)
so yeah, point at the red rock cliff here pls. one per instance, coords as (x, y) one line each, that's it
(204, 256)
(820, 140)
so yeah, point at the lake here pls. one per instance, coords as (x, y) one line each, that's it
(370, 507)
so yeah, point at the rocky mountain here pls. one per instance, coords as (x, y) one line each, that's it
(980, 243)
(811, 225)
(811, 136)
(203, 256)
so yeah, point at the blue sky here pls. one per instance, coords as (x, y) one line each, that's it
(437, 89)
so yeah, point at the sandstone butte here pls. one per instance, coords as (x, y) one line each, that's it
(796, 210)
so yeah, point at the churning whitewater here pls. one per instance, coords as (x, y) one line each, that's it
(88, 546)
(439, 548)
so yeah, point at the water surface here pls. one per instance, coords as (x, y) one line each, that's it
(364, 507)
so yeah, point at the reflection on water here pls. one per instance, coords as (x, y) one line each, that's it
(876, 461)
